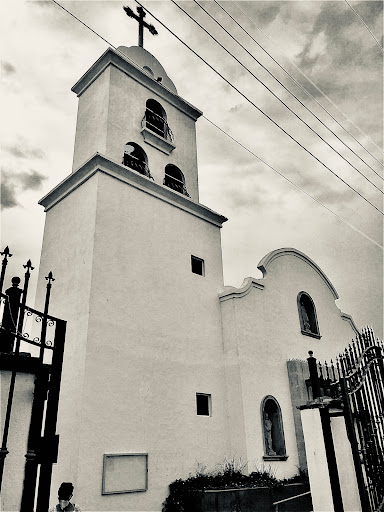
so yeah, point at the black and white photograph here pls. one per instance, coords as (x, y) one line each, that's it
(191, 282)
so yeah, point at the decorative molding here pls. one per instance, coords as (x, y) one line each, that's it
(100, 163)
(267, 260)
(275, 457)
(237, 293)
(311, 334)
(157, 141)
(127, 66)
(348, 318)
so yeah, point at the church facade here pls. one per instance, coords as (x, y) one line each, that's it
(165, 368)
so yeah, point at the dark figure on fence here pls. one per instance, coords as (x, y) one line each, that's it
(65, 494)
(10, 315)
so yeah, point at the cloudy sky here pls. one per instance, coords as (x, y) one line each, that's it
(45, 51)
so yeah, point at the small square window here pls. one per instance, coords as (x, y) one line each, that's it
(197, 265)
(203, 404)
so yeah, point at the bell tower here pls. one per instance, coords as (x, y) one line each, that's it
(129, 111)
(138, 268)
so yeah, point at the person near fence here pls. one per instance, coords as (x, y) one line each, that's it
(65, 494)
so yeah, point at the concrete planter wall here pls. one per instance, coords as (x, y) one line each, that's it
(249, 500)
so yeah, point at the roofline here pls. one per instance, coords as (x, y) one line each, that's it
(237, 293)
(290, 251)
(126, 65)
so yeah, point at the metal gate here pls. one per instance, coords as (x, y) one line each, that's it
(357, 377)
(362, 389)
(32, 341)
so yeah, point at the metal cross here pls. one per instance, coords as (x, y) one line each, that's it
(140, 19)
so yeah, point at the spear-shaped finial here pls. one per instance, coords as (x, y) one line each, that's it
(4, 263)
(28, 266)
(50, 277)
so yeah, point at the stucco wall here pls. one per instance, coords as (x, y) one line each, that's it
(261, 332)
(14, 464)
(110, 114)
(67, 250)
(150, 340)
(92, 120)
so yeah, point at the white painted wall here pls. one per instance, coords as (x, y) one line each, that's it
(262, 331)
(13, 476)
(92, 120)
(317, 461)
(144, 336)
(67, 250)
(347, 474)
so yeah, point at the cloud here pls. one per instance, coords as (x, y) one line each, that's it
(7, 68)
(31, 181)
(265, 13)
(21, 151)
(11, 183)
(7, 193)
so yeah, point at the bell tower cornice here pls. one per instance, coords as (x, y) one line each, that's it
(117, 59)
(99, 163)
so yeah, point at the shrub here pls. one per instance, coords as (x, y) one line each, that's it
(228, 474)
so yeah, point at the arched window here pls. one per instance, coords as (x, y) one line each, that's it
(136, 159)
(156, 120)
(273, 433)
(307, 315)
(174, 179)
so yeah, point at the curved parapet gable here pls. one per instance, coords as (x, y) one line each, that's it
(349, 319)
(289, 251)
(236, 293)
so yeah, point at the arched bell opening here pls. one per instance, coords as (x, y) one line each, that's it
(174, 179)
(136, 159)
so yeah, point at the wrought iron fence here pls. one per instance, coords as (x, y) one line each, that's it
(37, 338)
(356, 377)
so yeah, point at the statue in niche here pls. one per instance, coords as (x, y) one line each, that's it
(304, 316)
(268, 435)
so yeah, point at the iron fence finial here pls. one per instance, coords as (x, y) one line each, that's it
(50, 277)
(28, 266)
(6, 253)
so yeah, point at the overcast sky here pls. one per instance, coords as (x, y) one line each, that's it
(45, 51)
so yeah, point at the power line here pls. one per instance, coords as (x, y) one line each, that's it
(289, 92)
(293, 183)
(314, 85)
(230, 136)
(259, 109)
(365, 25)
(82, 22)
(306, 92)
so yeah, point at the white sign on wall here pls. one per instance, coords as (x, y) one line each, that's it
(125, 472)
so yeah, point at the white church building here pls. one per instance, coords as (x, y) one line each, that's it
(165, 367)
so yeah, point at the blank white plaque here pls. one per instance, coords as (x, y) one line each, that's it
(125, 472)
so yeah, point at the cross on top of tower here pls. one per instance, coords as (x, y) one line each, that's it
(140, 19)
